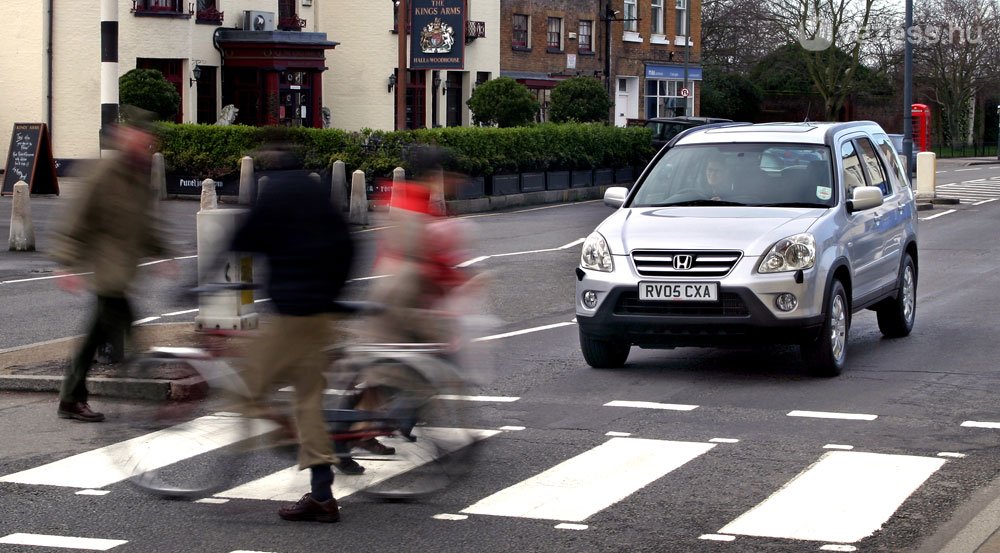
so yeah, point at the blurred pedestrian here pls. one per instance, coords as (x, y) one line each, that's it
(309, 253)
(110, 227)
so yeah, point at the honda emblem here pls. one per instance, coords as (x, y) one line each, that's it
(683, 262)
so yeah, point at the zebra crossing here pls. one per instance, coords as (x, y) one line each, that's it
(842, 497)
(971, 191)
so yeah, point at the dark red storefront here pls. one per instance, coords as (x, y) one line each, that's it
(274, 77)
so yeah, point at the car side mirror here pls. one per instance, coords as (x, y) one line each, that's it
(864, 197)
(614, 196)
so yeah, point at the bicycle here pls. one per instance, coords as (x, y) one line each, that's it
(195, 444)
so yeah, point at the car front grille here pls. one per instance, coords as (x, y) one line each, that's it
(729, 305)
(701, 264)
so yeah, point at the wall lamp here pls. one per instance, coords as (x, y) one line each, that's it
(196, 73)
(392, 81)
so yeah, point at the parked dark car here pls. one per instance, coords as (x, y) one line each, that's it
(665, 128)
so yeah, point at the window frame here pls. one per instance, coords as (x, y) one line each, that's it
(524, 44)
(872, 161)
(585, 46)
(557, 46)
(656, 18)
(680, 17)
(630, 20)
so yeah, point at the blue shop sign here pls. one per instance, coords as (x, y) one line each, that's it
(674, 72)
(437, 39)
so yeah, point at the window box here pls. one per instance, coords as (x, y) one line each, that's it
(210, 16)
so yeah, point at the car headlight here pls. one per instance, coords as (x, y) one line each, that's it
(596, 255)
(790, 254)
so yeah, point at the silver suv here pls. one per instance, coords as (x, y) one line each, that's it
(740, 235)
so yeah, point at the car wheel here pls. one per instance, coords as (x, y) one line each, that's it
(603, 354)
(826, 355)
(897, 315)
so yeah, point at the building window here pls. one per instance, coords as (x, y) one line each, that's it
(157, 6)
(630, 16)
(208, 11)
(682, 18)
(663, 98)
(554, 35)
(585, 38)
(656, 16)
(520, 24)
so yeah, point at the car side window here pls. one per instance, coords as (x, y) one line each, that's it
(853, 174)
(896, 171)
(876, 174)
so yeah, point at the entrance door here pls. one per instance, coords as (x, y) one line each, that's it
(626, 100)
(453, 100)
(244, 89)
(208, 110)
(416, 99)
(295, 99)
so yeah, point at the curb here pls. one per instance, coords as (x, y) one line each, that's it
(125, 388)
(973, 528)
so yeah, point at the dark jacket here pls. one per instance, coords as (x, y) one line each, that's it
(305, 239)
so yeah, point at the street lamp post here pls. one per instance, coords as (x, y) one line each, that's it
(908, 88)
(998, 131)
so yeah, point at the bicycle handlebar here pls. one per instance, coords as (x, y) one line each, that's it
(338, 306)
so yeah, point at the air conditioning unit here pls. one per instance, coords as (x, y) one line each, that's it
(258, 21)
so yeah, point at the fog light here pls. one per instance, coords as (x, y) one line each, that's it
(786, 302)
(590, 299)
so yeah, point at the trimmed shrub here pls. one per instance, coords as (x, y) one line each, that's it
(149, 90)
(581, 99)
(503, 102)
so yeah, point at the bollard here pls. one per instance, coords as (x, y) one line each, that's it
(22, 230)
(158, 176)
(233, 309)
(437, 204)
(359, 199)
(248, 184)
(926, 175)
(338, 185)
(398, 176)
(209, 200)
(261, 185)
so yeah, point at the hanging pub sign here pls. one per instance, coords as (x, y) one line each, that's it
(437, 38)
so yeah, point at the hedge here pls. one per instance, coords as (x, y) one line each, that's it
(211, 150)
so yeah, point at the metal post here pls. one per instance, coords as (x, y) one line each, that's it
(687, 52)
(609, 15)
(998, 131)
(908, 88)
(402, 24)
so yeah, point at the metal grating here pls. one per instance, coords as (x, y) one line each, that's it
(704, 263)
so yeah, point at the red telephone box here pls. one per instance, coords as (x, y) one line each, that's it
(921, 117)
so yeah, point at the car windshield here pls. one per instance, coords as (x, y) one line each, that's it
(780, 175)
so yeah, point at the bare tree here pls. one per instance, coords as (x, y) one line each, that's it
(956, 56)
(832, 34)
(736, 34)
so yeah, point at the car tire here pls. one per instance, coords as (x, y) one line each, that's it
(826, 355)
(897, 315)
(603, 354)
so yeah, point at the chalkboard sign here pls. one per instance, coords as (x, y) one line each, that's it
(30, 159)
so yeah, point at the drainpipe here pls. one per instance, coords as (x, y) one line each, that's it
(49, 71)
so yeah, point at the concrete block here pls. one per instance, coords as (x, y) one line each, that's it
(359, 199)
(233, 310)
(338, 185)
(158, 176)
(248, 182)
(437, 190)
(926, 175)
(209, 199)
(22, 230)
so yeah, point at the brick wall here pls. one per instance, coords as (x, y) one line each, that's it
(539, 59)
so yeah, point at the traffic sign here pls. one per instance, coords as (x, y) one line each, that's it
(685, 93)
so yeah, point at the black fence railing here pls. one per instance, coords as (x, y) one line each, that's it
(986, 149)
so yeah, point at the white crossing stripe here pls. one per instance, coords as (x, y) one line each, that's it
(716, 537)
(449, 516)
(568, 526)
(64, 542)
(495, 399)
(288, 484)
(844, 497)
(979, 424)
(829, 415)
(571, 491)
(651, 405)
(101, 467)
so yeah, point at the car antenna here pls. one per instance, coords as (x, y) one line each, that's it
(808, 108)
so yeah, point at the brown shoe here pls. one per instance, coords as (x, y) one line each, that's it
(308, 508)
(374, 446)
(78, 410)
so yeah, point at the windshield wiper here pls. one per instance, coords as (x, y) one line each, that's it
(794, 204)
(694, 203)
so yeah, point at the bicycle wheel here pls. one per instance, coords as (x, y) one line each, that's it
(434, 448)
(189, 441)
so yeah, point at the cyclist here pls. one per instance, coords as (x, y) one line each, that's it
(309, 252)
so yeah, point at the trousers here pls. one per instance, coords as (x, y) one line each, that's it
(290, 350)
(112, 318)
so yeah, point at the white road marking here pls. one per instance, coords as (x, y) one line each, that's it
(93, 492)
(979, 424)
(844, 497)
(512, 428)
(248, 551)
(475, 260)
(64, 542)
(520, 332)
(494, 399)
(101, 467)
(837, 547)
(985, 201)
(50, 277)
(969, 169)
(568, 526)
(146, 320)
(839, 446)
(724, 441)
(830, 415)
(287, 484)
(651, 405)
(614, 434)
(951, 455)
(186, 257)
(449, 516)
(935, 216)
(570, 492)
(212, 500)
(175, 313)
(716, 537)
